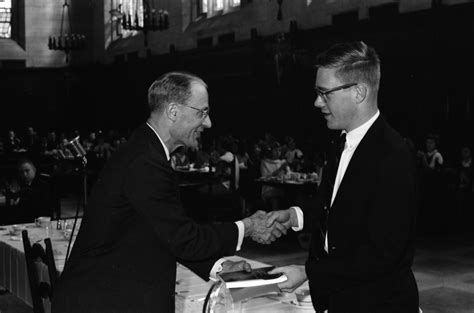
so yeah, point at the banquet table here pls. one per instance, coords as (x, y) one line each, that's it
(190, 289)
(296, 190)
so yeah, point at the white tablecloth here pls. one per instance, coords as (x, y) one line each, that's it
(13, 272)
(190, 289)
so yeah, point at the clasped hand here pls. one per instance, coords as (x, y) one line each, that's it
(265, 227)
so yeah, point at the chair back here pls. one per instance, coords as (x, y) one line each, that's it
(39, 290)
(52, 270)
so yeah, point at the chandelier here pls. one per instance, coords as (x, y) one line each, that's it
(66, 41)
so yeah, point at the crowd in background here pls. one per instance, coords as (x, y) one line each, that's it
(446, 185)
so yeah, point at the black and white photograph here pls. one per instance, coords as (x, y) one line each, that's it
(242, 156)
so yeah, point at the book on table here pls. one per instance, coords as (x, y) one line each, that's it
(254, 278)
(243, 285)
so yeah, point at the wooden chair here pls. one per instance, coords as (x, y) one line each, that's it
(52, 270)
(39, 290)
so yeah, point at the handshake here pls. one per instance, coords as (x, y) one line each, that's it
(265, 227)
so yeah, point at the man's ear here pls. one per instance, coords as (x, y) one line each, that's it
(361, 92)
(172, 111)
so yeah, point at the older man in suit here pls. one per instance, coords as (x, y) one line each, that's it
(135, 230)
(361, 255)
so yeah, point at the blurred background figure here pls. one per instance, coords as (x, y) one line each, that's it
(431, 158)
(465, 188)
(32, 141)
(273, 165)
(28, 196)
(12, 143)
(179, 159)
(200, 157)
(293, 155)
(435, 212)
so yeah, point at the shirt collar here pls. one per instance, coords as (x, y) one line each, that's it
(354, 137)
(164, 146)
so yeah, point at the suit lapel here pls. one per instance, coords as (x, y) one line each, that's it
(158, 154)
(362, 161)
(154, 143)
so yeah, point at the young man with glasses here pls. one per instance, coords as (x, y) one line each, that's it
(361, 254)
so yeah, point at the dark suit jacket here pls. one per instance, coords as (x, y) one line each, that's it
(133, 233)
(35, 200)
(371, 230)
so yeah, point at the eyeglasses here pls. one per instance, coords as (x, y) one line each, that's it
(324, 93)
(203, 113)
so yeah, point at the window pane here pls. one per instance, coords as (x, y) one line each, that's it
(134, 10)
(218, 5)
(6, 4)
(203, 6)
(235, 3)
(5, 19)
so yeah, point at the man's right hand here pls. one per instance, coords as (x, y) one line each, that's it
(287, 218)
(256, 228)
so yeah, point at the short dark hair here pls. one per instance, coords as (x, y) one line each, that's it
(171, 87)
(354, 61)
(25, 161)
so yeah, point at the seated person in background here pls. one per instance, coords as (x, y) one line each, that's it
(465, 188)
(431, 158)
(273, 165)
(115, 145)
(434, 197)
(13, 142)
(240, 150)
(179, 159)
(52, 141)
(293, 156)
(29, 196)
(32, 141)
(199, 156)
(63, 151)
(102, 149)
(465, 170)
(224, 163)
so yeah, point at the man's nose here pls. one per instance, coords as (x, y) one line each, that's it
(207, 122)
(319, 103)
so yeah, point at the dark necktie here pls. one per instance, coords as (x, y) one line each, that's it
(338, 147)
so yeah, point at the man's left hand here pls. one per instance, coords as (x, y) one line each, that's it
(231, 266)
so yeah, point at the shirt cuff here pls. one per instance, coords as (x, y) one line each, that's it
(241, 227)
(216, 269)
(300, 216)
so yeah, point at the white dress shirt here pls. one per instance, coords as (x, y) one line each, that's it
(353, 138)
(240, 225)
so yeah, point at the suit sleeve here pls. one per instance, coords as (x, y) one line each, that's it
(152, 190)
(201, 268)
(390, 226)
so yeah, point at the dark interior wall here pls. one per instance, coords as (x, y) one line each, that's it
(426, 82)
